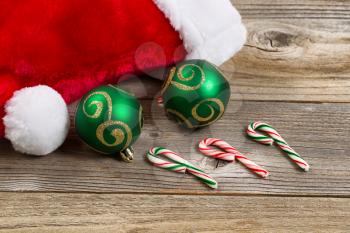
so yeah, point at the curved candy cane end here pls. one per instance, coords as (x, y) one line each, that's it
(307, 168)
(154, 149)
(267, 141)
(262, 139)
(258, 137)
(265, 174)
(213, 185)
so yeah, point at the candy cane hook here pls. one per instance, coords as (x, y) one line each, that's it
(178, 164)
(229, 153)
(274, 136)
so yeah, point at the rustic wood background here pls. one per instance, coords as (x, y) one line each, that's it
(294, 72)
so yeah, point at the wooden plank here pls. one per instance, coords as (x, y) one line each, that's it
(42, 212)
(318, 132)
(291, 9)
(296, 51)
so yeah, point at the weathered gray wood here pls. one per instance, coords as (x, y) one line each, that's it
(41, 212)
(293, 9)
(318, 132)
(296, 51)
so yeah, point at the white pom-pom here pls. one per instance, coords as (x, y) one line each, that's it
(36, 121)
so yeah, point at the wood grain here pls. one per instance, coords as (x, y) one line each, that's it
(293, 72)
(41, 212)
(294, 9)
(316, 131)
(296, 51)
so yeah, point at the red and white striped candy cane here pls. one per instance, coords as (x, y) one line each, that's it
(229, 153)
(178, 164)
(274, 136)
(160, 100)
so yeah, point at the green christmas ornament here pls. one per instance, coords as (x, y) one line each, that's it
(109, 120)
(195, 93)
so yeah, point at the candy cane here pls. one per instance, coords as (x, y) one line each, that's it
(274, 136)
(178, 164)
(229, 153)
(160, 100)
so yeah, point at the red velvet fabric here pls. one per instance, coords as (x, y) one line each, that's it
(8, 85)
(76, 45)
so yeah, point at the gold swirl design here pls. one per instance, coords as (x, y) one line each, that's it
(201, 119)
(99, 105)
(168, 80)
(212, 111)
(118, 134)
(181, 77)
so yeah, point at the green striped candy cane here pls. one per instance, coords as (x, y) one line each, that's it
(178, 164)
(273, 136)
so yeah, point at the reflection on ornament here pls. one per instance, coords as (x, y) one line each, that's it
(181, 117)
(140, 117)
(118, 134)
(181, 75)
(98, 104)
(211, 117)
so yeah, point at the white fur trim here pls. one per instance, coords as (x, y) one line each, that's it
(211, 29)
(36, 121)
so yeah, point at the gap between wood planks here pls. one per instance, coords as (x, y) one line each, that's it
(172, 193)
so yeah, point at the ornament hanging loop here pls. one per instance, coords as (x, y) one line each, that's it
(127, 155)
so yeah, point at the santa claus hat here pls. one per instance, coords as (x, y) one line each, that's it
(211, 30)
(35, 117)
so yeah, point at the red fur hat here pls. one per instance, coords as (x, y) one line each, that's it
(71, 46)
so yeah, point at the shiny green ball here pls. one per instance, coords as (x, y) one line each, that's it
(195, 93)
(109, 119)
